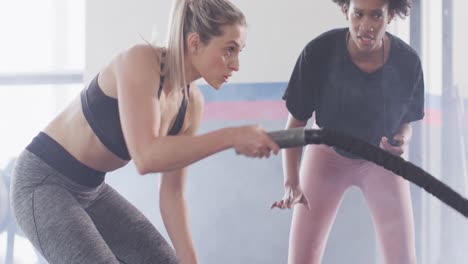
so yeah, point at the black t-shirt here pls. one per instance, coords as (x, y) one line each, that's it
(343, 97)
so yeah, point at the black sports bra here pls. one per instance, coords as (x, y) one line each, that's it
(102, 113)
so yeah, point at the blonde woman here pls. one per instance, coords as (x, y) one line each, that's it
(143, 106)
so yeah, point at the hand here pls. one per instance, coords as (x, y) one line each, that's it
(292, 195)
(397, 149)
(254, 141)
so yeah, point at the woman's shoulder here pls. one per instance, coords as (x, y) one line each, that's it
(140, 54)
(328, 37)
(323, 44)
(404, 59)
(403, 50)
(137, 62)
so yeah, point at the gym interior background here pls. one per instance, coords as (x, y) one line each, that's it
(50, 49)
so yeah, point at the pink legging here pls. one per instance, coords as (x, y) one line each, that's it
(325, 176)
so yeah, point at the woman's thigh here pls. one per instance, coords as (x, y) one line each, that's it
(59, 227)
(129, 234)
(389, 199)
(324, 179)
(51, 216)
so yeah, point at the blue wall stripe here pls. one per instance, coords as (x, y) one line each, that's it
(244, 92)
(272, 92)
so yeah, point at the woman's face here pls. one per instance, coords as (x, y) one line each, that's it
(368, 20)
(217, 60)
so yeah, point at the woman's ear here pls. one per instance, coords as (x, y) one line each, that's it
(345, 9)
(193, 42)
(391, 16)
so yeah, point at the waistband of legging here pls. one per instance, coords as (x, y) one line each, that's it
(52, 153)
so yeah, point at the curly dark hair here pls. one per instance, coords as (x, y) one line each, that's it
(400, 7)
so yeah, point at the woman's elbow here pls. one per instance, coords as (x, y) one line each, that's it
(143, 164)
(146, 165)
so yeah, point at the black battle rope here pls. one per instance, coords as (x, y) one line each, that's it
(297, 137)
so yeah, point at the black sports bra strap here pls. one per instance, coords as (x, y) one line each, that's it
(183, 106)
(161, 78)
(179, 122)
(161, 81)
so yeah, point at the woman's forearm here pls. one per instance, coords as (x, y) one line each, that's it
(175, 152)
(292, 156)
(291, 163)
(175, 216)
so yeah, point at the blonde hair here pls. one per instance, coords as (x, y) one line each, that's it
(205, 17)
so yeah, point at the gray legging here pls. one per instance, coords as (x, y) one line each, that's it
(71, 223)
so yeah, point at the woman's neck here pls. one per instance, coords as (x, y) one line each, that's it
(191, 74)
(366, 56)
